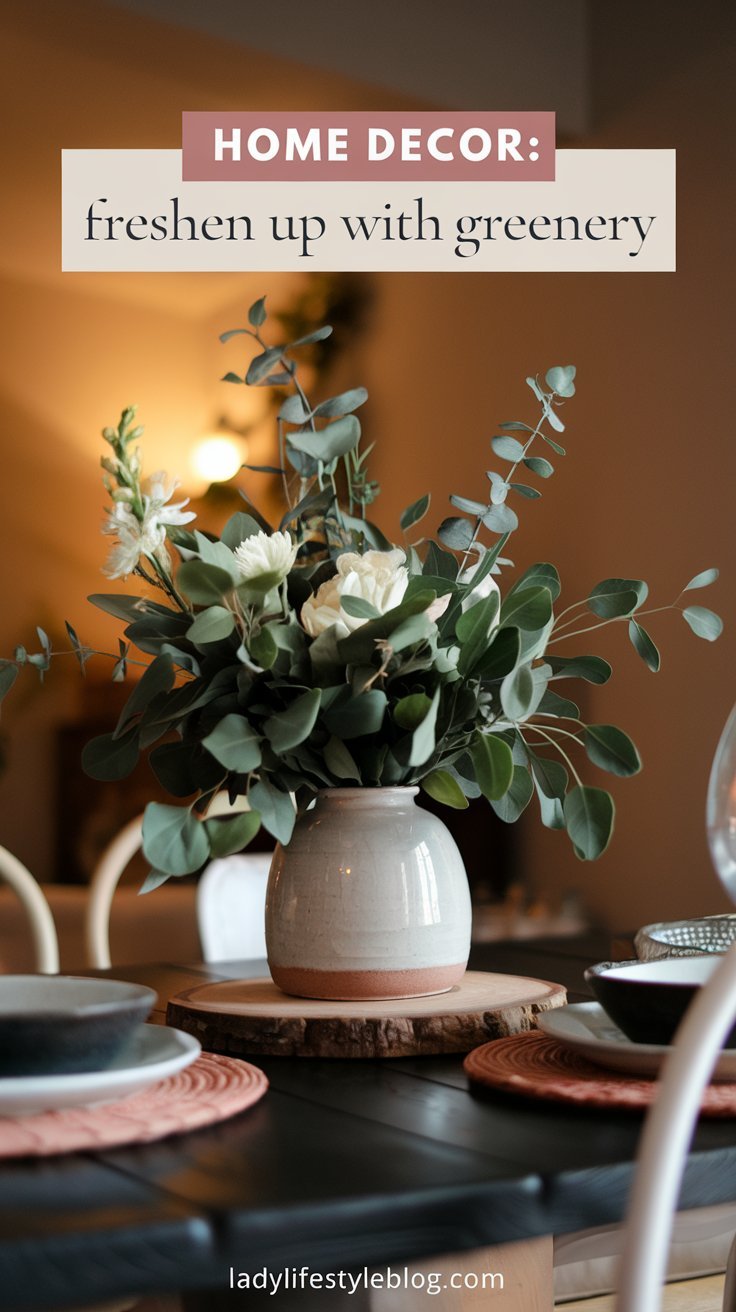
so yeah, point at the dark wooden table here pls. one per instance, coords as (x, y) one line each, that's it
(343, 1164)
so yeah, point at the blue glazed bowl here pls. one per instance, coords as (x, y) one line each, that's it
(60, 1024)
(648, 999)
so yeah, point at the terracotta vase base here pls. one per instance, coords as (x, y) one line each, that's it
(366, 985)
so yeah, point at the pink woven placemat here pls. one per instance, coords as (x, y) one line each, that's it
(210, 1090)
(537, 1067)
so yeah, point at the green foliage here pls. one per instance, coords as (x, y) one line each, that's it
(444, 680)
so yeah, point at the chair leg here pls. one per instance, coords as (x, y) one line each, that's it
(666, 1138)
(729, 1289)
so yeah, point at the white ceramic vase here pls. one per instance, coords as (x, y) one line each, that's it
(369, 900)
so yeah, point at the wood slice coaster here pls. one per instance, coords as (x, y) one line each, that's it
(253, 1016)
(538, 1067)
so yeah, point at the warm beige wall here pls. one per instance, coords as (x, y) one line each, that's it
(646, 487)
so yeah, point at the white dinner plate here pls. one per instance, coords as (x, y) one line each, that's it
(585, 1028)
(152, 1053)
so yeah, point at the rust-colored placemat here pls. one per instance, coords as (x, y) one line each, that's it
(253, 1017)
(538, 1067)
(211, 1089)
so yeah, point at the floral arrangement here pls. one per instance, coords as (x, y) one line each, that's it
(318, 654)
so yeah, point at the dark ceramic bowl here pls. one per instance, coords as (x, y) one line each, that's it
(648, 999)
(59, 1024)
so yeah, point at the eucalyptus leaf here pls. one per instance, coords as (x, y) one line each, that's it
(339, 760)
(239, 527)
(231, 833)
(439, 563)
(344, 404)
(414, 513)
(538, 465)
(477, 508)
(111, 759)
(611, 749)
(591, 668)
(517, 693)
(589, 815)
(493, 764)
(441, 785)
(559, 707)
(550, 810)
(157, 678)
(703, 622)
(473, 631)
(560, 379)
(529, 609)
(204, 584)
(8, 674)
(502, 655)
(409, 712)
(275, 807)
(319, 335)
(257, 312)
(154, 879)
(456, 533)
(541, 575)
(287, 728)
(174, 841)
(263, 648)
(212, 625)
(501, 519)
(217, 554)
(644, 645)
(550, 776)
(517, 797)
(702, 580)
(615, 597)
(262, 365)
(339, 437)
(508, 448)
(423, 739)
(358, 716)
(235, 744)
(525, 491)
(358, 608)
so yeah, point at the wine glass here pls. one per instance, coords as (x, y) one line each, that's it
(670, 1123)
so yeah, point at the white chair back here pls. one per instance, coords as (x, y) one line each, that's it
(37, 908)
(224, 935)
(231, 904)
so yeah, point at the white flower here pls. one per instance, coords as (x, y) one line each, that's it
(143, 535)
(378, 577)
(265, 553)
(484, 589)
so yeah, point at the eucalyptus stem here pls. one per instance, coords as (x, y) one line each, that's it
(559, 749)
(612, 619)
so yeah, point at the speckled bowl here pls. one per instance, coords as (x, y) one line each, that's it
(648, 999)
(61, 1024)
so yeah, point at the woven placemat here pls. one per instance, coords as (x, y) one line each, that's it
(538, 1067)
(212, 1089)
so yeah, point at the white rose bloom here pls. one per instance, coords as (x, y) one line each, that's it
(379, 577)
(265, 553)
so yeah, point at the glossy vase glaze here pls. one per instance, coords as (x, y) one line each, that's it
(369, 900)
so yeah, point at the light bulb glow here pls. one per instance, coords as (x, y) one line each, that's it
(216, 458)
